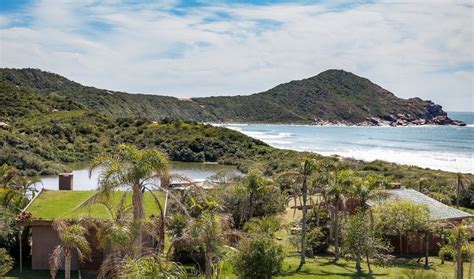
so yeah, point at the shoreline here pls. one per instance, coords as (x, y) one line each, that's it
(223, 124)
(448, 160)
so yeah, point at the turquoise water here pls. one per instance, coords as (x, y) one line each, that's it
(449, 148)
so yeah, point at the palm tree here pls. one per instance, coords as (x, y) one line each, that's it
(255, 184)
(364, 189)
(264, 225)
(457, 241)
(115, 234)
(150, 267)
(367, 188)
(337, 185)
(306, 169)
(134, 169)
(459, 188)
(16, 190)
(205, 229)
(73, 238)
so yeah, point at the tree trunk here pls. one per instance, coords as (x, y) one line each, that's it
(336, 231)
(358, 267)
(458, 190)
(459, 267)
(331, 225)
(138, 212)
(317, 215)
(368, 262)
(400, 243)
(67, 265)
(427, 249)
(218, 270)
(303, 225)
(250, 212)
(208, 265)
(442, 244)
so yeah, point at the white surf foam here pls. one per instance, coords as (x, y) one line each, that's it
(447, 161)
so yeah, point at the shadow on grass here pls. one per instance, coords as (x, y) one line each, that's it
(325, 273)
(39, 274)
(323, 269)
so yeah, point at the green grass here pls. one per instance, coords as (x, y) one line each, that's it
(324, 267)
(51, 204)
(36, 274)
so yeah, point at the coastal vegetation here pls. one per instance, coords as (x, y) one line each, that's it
(288, 211)
(333, 96)
(44, 132)
(203, 239)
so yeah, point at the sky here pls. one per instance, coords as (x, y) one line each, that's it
(203, 48)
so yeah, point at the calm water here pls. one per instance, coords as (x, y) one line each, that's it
(448, 148)
(194, 171)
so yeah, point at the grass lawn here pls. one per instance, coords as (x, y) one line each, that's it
(52, 204)
(33, 274)
(324, 267)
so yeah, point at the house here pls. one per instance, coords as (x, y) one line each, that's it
(49, 205)
(413, 244)
(439, 213)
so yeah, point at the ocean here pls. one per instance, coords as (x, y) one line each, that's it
(448, 148)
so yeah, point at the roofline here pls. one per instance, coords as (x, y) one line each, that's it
(32, 200)
(453, 218)
(47, 222)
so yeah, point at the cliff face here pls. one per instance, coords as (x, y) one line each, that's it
(331, 97)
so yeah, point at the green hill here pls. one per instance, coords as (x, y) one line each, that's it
(40, 133)
(333, 96)
(47, 122)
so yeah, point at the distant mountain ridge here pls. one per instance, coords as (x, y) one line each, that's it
(331, 97)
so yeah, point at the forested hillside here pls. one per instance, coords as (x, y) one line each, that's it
(41, 133)
(334, 96)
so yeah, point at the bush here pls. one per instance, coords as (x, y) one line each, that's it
(259, 257)
(448, 254)
(6, 261)
(318, 240)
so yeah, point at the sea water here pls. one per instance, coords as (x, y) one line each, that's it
(448, 148)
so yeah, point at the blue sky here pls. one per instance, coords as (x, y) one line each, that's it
(203, 48)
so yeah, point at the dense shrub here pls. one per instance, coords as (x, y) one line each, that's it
(267, 201)
(6, 261)
(448, 254)
(317, 240)
(260, 257)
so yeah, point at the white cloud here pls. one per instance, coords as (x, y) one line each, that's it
(414, 49)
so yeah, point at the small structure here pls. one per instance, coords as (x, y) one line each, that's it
(49, 205)
(413, 244)
(66, 181)
(439, 212)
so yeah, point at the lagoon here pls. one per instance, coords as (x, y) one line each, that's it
(82, 181)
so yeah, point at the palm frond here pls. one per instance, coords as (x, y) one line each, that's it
(55, 260)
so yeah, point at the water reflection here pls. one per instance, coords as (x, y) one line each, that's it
(194, 171)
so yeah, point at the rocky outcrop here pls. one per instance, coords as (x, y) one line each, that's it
(395, 120)
(407, 120)
(4, 126)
